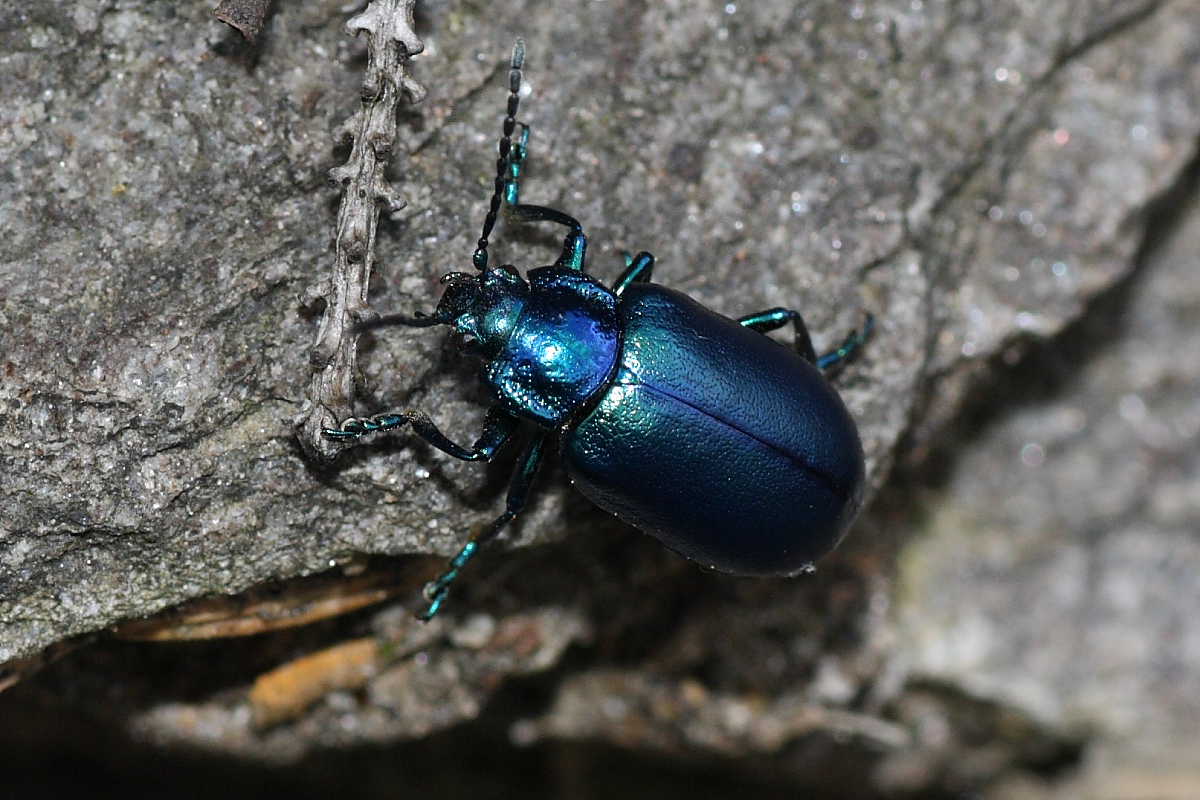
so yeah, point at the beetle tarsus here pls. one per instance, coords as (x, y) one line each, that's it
(850, 346)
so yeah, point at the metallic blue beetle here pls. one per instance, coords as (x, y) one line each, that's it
(698, 429)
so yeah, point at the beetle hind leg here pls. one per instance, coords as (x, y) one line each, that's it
(774, 319)
(437, 590)
(849, 347)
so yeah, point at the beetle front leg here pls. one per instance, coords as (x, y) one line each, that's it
(516, 160)
(776, 318)
(498, 428)
(574, 245)
(508, 163)
(437, 590)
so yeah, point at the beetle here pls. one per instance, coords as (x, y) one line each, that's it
(728, 446)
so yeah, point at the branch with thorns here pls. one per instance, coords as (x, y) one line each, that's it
(391, 42)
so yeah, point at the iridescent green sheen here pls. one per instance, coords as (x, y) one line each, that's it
(724, 444)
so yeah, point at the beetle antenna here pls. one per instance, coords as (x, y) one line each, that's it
(480, 258)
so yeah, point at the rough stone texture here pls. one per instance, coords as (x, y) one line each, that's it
(973, 173)
(1074, 598)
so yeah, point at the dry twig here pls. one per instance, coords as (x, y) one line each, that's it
(391, 41)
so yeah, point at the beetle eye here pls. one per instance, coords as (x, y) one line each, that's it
(460, 294)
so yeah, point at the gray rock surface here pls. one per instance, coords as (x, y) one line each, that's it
(974, 174)
(1073, 597)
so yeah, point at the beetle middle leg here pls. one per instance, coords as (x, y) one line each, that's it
(774, 319)
(518, 489)
(638, 269)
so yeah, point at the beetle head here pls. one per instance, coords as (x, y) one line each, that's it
(483, 307)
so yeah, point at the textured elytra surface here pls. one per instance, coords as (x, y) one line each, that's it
(972, 174)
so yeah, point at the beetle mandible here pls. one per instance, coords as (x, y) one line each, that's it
(726, 445)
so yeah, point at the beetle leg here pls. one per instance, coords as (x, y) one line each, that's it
(775, 319)
(574, 246)
(498, 428)
(637, 270)
(849, 347)
(436, 590)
